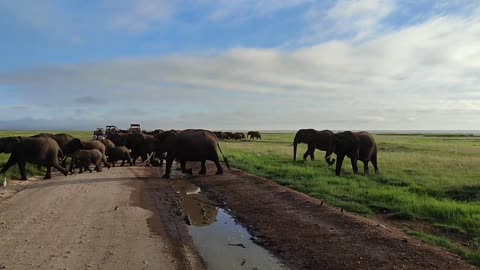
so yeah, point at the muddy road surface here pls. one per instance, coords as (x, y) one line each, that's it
(129, 218)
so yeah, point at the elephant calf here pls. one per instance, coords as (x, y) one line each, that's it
(83, 159)
(119, 153)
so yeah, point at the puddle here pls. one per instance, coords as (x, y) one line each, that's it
(221, 242)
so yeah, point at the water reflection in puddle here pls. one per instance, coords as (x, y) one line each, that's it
(222, 242)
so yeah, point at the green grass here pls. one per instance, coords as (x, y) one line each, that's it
(430, 178)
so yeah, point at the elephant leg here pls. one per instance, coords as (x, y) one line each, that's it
(374, 162)
(338, 167)
(183, 165)
(218, 165)
(21, 168)
(48, 174)
(105, 163)
(59, 168)
(168, 167)
(98, 166)
(123, 163)
(365, 167)
(203, 169)
(87, 167)
(354, 165)
(72, 164)
(11, 161)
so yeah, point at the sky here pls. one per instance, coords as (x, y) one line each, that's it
(240, 64)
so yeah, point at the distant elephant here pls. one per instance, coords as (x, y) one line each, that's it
(254, 135)
(239, 135)
(119, 153)
(189, 145)
(356, 146)
(321, 140)
(83, 159)
(228, 135)
(76, 144)
(220, 135)
(41, 151)
(153, 132)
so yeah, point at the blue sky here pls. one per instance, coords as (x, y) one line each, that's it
(240, 64)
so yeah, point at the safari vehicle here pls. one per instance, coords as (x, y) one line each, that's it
(98, 134)
(135, 128)
(111, 129)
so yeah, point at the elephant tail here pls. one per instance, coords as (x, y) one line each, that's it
(224, 158)
(60, 154)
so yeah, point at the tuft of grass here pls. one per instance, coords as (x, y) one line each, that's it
(445, 243)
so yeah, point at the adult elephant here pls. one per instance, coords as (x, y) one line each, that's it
(109, 145)
(254, 135)
(119, 139)
(357, 146)
(62, 139)
(77, 144)
(142, 145)
(42, 151)
(321, 140)
(190, 145)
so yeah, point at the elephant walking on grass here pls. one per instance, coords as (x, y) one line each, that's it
(42, 151)
(321, 140)
(254, 135)
(357, 146)
(189, 145)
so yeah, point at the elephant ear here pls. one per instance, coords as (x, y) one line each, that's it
(347, 143)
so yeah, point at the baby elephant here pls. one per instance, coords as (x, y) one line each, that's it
(119, 153)
(83, 158)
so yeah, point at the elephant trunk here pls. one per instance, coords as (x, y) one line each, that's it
(329, 160)
(296, 141)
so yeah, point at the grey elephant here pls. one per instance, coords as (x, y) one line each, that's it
(119, 153)
(321, 140)
(254, 135)
(76, 144)
(42, 151)
(109, 145)
(357, 146)
(83, 158)
(142, 145)
(189, 145)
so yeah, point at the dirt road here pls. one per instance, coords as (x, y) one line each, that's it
(128, 218)
(90, 221)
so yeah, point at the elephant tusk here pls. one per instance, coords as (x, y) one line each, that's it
(4, 181)
(149, 156)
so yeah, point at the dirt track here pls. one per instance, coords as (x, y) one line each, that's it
(127, 218)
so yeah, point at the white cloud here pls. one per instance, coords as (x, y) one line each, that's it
(421, 77)
(354, 19)
(138, 15)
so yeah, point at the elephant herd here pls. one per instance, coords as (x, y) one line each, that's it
(53, 150)
(355, 145)
(239, 136)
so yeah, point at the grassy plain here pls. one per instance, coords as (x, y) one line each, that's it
(432, 180)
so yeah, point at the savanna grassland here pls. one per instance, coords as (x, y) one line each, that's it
(428, 184)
